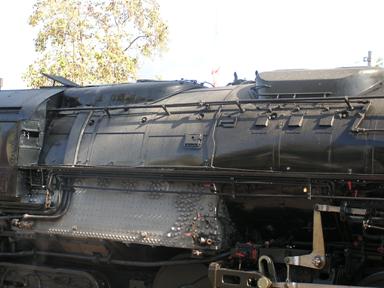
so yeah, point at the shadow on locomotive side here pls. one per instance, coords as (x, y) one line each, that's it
(275, 182)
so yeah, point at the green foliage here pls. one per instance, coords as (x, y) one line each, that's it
(94, 41)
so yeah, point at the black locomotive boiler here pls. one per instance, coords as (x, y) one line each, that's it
(276, 182)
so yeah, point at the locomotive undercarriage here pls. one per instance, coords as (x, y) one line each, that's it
(244, 229)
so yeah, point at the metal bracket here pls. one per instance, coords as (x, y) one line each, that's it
(193, 141)
(346, 100)
(271, 273)
(107, 112)
(229, 278)
(367, 225)
(361, 117)
(241, 109)
(337, 209)
(262, 121)
(327, 120)
(166, 110)
(316, 259)
(296, 121)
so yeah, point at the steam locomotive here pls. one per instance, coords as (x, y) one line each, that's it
(276, 182)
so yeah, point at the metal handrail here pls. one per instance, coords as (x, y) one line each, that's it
(207, 104)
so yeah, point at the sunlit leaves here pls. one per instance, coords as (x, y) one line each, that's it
(94, 41)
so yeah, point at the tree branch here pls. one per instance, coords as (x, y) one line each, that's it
(134, 40)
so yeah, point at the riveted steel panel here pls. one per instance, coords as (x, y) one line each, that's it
(143, 212)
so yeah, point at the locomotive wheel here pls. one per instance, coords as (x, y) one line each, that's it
(182, 276)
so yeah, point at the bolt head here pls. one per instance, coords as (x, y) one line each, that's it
(317, 261)
(264, 282)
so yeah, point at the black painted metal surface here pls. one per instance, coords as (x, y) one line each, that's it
(105, 174)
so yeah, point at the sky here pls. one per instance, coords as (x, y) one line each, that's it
(227, 36)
